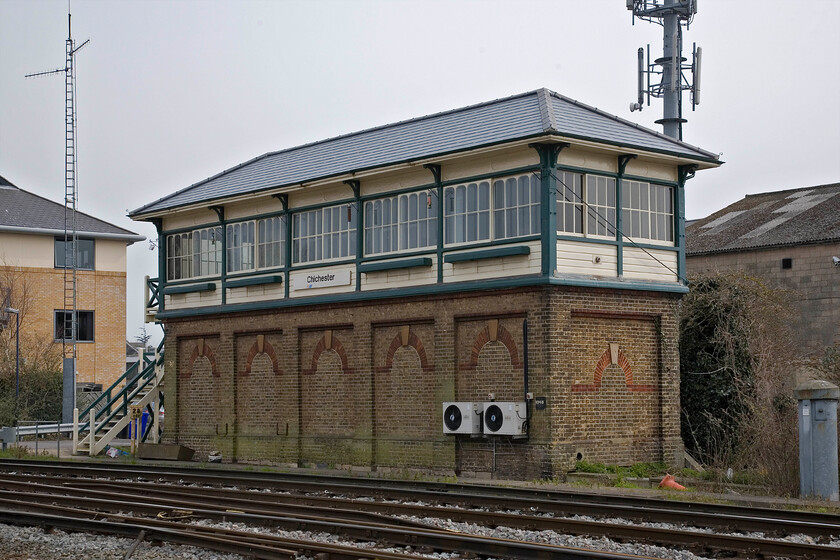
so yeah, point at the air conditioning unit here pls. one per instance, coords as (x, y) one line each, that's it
(462, 417)
(505, 418)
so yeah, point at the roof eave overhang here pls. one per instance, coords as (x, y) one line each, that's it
(128, 238)
(752, 248)
(676, 158)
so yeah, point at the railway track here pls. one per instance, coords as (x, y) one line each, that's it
(365, 510)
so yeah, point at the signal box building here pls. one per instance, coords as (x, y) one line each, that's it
(454, 293)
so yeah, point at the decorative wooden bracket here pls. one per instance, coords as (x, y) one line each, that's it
(220, 211)
(284, 200)
(435, 169)
(356, 185)
(623, 160)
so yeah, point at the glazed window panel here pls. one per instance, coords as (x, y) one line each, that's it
(400, 223)
(271, 242)
(324, 234)
(600, 206)
(207, 251)
(569, 202)
(179, 257)
(240, 246)
(647, 211)
(64, 326)
(516, 206)
(84, 257)
(467, 213)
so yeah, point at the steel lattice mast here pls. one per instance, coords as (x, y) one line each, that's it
(69, 328)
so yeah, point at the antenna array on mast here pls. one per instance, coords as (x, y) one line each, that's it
(69, 322)
(669, 72)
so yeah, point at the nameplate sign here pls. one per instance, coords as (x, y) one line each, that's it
(313, 280)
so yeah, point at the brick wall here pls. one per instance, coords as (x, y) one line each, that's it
(361, 385)
(102, 292)
(812, 279)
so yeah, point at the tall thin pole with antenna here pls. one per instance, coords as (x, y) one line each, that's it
(672, 15)
(67, 325)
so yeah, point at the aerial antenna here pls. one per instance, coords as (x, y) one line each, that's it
(69, 328)
(671, 67)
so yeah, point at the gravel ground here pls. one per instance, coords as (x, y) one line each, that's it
(31, 543)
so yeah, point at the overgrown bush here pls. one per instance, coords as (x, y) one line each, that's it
(737, 362)
(40, 387)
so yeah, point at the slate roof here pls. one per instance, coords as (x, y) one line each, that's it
(21, 210)
(791, 217)
(513, 118)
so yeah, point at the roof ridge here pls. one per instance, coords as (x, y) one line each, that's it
(634, 125)
(827, 185)
(549, 123)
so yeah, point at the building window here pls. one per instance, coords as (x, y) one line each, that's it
(64, 328)
(179, 256)
(467, 213)
(516, 206)
(600, 202)
(324, 234)
(787, 263)
(401, 223)
(647, 211)
(263, 240)
(84, 253)
(569, 202)
(271, 241)
(240, 247)
(586, 204)
(194, 254)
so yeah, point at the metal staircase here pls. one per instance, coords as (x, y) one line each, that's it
(139, 388)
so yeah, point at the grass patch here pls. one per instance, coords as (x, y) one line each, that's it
(639, 470)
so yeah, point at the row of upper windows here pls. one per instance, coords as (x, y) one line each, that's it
(586, 205)
(487, 210)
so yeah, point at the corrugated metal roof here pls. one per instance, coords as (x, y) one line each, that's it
(504, 120)
(790, 217)
(20, 209)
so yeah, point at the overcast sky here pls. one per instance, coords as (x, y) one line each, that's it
(169, 93)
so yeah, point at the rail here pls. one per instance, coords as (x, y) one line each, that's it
(132, 385)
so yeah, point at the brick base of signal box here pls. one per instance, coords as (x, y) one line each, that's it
(360, 385)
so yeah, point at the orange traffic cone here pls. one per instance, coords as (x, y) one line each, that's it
(670, 482)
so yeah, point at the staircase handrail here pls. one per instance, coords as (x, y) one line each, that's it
(106, 394)
(127, 398)
(109, 398)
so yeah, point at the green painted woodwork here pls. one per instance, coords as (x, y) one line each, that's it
(395, 265)
(487, 254)
(254, 281)
(192, 288)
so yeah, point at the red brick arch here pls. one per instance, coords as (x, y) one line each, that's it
(602, 364)
(321, 347)
(483, 338)
(268, 350)
(206, 353)
(396, 344)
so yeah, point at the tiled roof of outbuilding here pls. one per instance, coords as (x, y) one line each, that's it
(792, 217)
(514, 118)
(21, 210)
